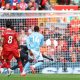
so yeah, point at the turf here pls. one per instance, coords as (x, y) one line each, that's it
(42, 77)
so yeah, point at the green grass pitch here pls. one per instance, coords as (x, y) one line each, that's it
(41, 77)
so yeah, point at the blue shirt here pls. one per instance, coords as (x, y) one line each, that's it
(35, 41)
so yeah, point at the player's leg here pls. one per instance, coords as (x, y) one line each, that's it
(14, 67)
(19, 64)
(5, 57)
(23, 57)
(39, 58)
(37, 65)
(25, 69)
(32, 67)
(3, 65)
(10, 56)
(6, 63)
(16, 54)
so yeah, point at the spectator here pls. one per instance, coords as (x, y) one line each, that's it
(74, 25)
(7, 1)
(62, 50)
(27, 1)
(38, 1)
(47, 6)
(23, 5)
(42, 4)
(63, 2)
(17, 6)
(32, 8)
(23, 38)
(42, 28)
(7, 6)
(76, 2)
(57, 34)
(14, 2)
(29, 6)
(47, 34)
(19, 1)
(0, 4)
(77, 45)
(60, 2)
(67, 2)
(34, 4)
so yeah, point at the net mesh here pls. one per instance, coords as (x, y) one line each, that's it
(61, 32)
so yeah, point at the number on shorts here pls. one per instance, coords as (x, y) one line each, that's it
(10, 39)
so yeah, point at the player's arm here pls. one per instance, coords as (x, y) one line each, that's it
(1, 44)
(18, 41)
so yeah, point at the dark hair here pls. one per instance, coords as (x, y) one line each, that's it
(9, 24)
(36, 29)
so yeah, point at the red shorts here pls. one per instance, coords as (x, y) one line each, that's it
(9, 54)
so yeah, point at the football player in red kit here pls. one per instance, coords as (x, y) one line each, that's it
(10, 45)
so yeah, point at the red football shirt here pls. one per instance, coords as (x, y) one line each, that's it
(10, 40)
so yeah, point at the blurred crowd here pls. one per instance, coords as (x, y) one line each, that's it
(24, 4)
(34, 4)
(63, 43)
(68, 2)
(60, 43)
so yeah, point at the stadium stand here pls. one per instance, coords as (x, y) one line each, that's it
(38, 4)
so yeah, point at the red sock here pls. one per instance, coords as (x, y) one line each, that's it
(20, 66)
(4, 65)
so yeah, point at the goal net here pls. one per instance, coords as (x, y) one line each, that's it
(61, 30)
